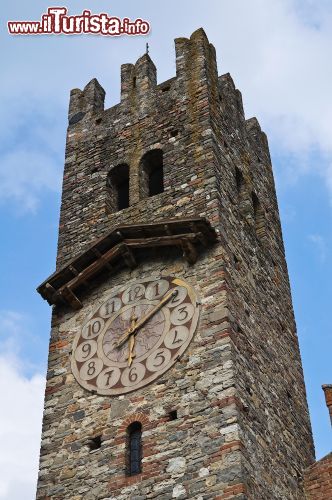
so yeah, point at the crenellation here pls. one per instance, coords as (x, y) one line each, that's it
(91, 99)
(127, 80)
(145, 74)
(232, 112)
(94, 96)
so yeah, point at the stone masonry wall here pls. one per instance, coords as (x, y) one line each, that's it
(243, 429)
(275, 430)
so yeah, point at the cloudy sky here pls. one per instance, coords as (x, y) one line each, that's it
(279, 54)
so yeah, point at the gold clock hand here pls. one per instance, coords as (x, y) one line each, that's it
(128, 332)
(153, 311)
(131, 345)
(145, 318)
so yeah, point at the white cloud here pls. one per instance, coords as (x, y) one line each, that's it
(26, 175)
(20, 430)
(21, 414)
(320, 245)
(280, 61)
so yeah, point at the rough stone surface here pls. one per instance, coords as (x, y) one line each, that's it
(238, 390)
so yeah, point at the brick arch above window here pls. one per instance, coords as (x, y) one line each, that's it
(134, 417)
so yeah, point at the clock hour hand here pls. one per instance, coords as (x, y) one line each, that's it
(133, 329)
(131, 345)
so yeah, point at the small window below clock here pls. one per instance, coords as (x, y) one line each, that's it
(152, 173)
(118, 188)
(134, 449)
(95, 443)
(172, 415)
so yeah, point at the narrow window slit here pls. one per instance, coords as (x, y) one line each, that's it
(249, 390)
(134, 449)
(238, 180)
(238, 328)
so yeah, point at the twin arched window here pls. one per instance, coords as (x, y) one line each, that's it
(151, 180)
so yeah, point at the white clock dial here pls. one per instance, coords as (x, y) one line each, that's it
(135, 336)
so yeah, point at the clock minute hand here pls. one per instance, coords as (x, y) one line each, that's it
(145, 318)
(153, 311)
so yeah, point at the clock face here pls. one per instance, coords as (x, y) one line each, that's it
(135, 336)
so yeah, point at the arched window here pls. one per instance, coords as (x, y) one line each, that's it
(243, 196)
(259, 217)
(152, 173)
(134, 449)
(118, 188)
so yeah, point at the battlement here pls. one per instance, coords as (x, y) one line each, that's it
(138, 78)
(195, 66)
(90, 99)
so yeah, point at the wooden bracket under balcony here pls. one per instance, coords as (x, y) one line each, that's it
(121, 247)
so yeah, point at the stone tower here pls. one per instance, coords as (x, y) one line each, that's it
(174, 368)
